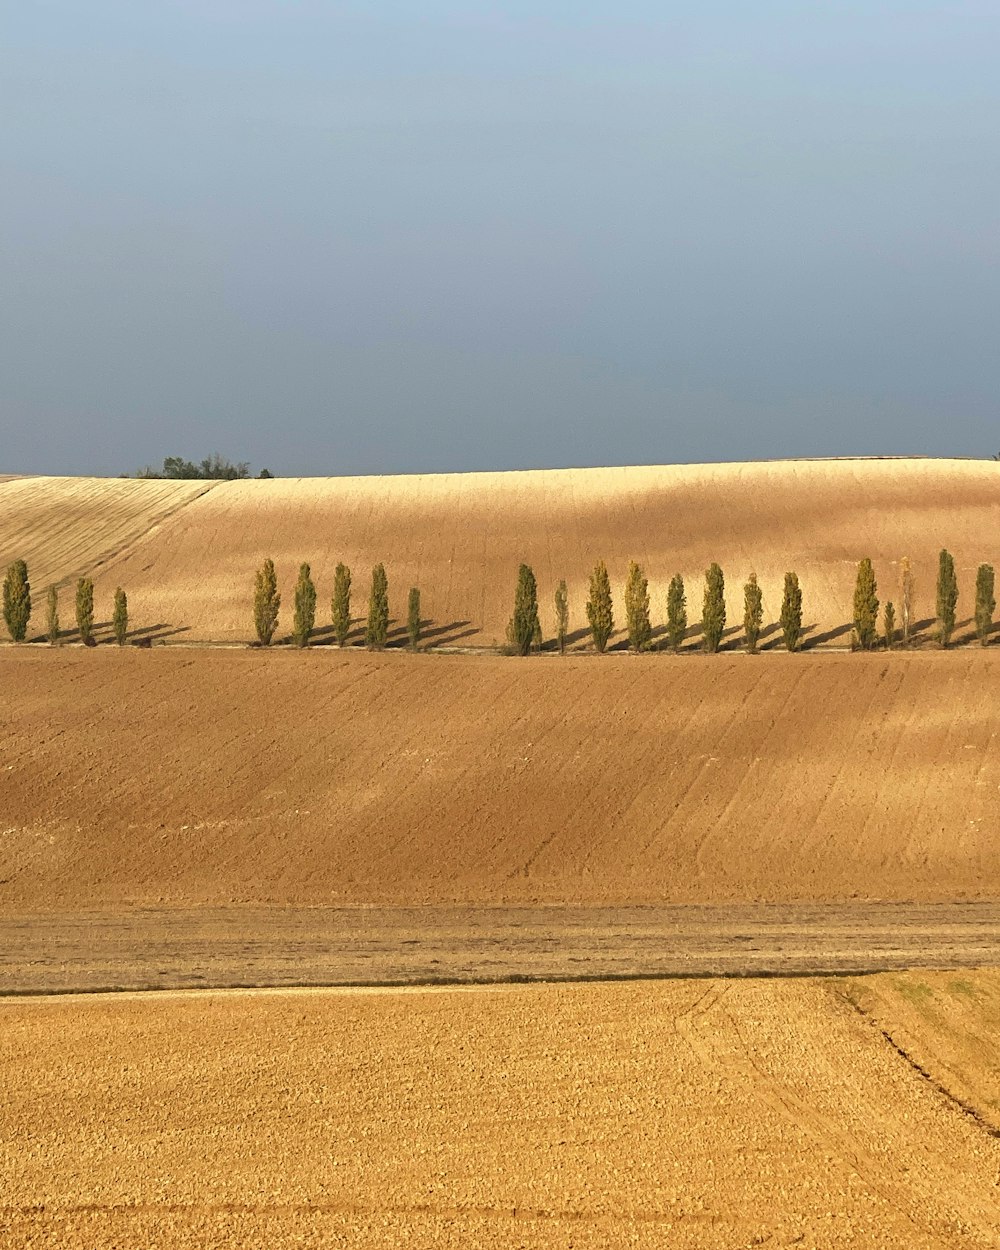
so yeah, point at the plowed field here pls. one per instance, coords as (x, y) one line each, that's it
(319, 777)
(700, 1114)
(460, 538)
(66, 527)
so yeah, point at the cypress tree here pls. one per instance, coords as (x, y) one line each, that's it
(906, 598)
(677, 621)
(640, 631)
(52, 615)
(266, 602)
(17, 600)
(562, 616)
(713, 612)
(413, 617)
(85, 609)
(119, 619)
(753, 612)
(889, 625)
(304, 614)
(524, 630)
(947, 596)
(865, 607)
(600, 613)
(341, 604)
(985, 603)
(377, 629)
(791, 612)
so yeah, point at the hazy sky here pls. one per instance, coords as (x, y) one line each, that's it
(390, 237)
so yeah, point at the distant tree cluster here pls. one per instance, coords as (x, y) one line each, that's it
(213, 468)
(17, 609)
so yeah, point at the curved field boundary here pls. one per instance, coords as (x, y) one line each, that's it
(66, 528)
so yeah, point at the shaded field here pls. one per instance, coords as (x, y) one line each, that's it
(187, 552)
(691, 1114)
(211, 777)
(293, 946)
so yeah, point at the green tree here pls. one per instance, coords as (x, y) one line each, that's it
(713, 611)
(947, 596)
(677, 621)
(985, 603)
(377, 629)
(17, 600)
(640, 632)
(524, 630)
(562, 616)
(753, 612)
(119, 619)
(906, 598)
(266, 603)
(866, 607)
(304, 615)
(413, 617)
(52, 615)
(341, 603)
(85, 609)
(889, 625)
(600, 613)
(791, 612)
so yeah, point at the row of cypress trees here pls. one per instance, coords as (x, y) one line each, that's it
(267, 605)
(524, 632)
(17, 608)
(866, 605)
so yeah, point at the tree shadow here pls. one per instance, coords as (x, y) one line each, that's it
(829, 635)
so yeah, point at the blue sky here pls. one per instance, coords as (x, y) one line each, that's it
(346, 238)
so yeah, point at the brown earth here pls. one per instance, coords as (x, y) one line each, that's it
(252, 945)
(185, 777)
(692, 1114)
(186, 552)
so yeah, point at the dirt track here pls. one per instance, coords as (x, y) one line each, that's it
(691, 1115)
(188, 564)
(181, 778)
(273, 946)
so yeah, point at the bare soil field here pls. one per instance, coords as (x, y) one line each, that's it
(217, 947)
(175, 777)
(688, 1114)
(189, 569)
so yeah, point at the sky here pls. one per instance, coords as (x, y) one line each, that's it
(338, 238)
